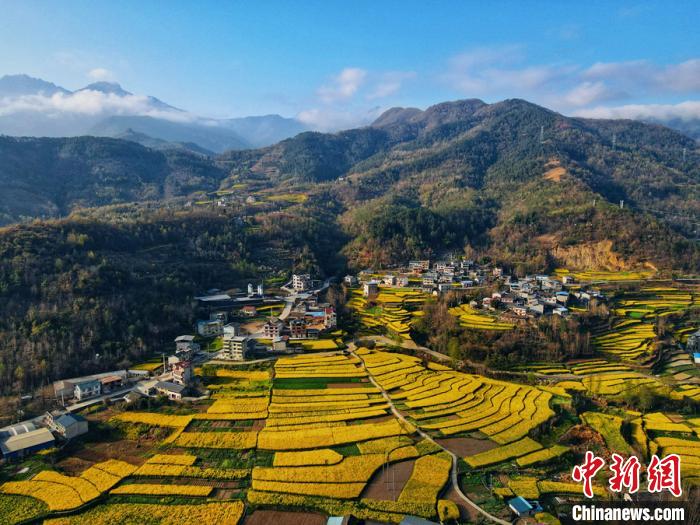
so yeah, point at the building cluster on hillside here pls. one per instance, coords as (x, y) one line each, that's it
(172, 382)
(176, 377)
(533, 295)
(536, 295)
(307, 319)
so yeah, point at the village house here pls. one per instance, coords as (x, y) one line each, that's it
(186, 344)
(523, 508)
(419, 266)
(402, 281)
(236, 347)
(297, 328)
(219, 316)
(350, 280)
(273, 328)
(170, 390)
(370, 289)
(301, 282)
(65, 424)
(520, 311)
(279, 344)
(692, 344)
(111, 383)
(232, 329)
(182, 372)
(210, 328)
(147, 388)
(445, 287)
(330, 319)
(87, 389)
(249, 311)
(389, 280)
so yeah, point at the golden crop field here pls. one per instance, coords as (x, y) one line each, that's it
(615, 384)
(229, 512)
(655, 302)
(477, 319)
(156, 489)
(60, 492)
(317, 432)
(394, 309)
(602, 275)
(453, 402)
(627, 340)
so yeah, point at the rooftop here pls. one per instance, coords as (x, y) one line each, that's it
(67, 420)
(40, 436)
(170, 387)
(214, 298)
(520, 505)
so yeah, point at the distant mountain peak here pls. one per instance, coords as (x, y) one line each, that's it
(22, 84)
(109, 88)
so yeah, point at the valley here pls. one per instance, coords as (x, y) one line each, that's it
(510, 290)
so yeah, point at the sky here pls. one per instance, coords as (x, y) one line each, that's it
(335, 64)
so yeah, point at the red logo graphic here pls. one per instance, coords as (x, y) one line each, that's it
(625, 474)
(587, 471)
(665, 474)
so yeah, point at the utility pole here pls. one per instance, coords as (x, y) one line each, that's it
(684, 151)
(614, 141)
(622, 204)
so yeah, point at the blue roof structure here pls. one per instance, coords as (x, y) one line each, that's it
(520, 505)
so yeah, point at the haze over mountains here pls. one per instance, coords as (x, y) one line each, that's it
(37, 108)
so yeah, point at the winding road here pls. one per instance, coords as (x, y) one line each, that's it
(454, 477)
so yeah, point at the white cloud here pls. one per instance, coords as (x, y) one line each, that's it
(588, 93)
(502, 72)
(390, 83)
(687, 110)
(89, 102)
(100, 73)
(645, 77)
(494, 72)
(343, 86)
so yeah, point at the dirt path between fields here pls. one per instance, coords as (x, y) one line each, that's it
(454, 478)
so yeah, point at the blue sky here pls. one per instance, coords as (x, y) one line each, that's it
(334, 63)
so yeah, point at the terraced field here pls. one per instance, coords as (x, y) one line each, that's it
(477, 319)
(654, 302)
(316, 432)
(452, 403)
(393, 310)
(603, 276)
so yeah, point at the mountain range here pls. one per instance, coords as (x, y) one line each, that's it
(37, 108)
(512, 178)
(106, 240)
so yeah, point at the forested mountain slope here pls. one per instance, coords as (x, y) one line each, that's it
(513, 178)
(49, 177)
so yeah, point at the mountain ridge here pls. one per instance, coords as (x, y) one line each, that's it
(161, 120)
